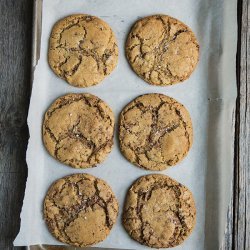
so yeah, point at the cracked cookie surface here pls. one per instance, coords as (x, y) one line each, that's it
(162, 50)
(78, 130)
(155, 131)
(80, 209)
(82, 50)
(159, 212)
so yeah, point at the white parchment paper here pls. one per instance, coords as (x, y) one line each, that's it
(209, 95)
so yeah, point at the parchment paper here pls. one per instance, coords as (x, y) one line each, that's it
(209, 95)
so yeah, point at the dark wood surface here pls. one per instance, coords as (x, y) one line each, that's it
(241, 202)
(15, 64)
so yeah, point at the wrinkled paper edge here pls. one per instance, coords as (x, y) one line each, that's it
(223, 130)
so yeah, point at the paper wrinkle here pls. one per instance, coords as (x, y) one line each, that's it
(209, 95)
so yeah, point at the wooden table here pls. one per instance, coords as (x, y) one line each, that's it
(15, 64)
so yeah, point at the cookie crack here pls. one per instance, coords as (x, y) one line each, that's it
(139, 214)
(155, 130)
(85, 203)
(110, 36)
(63, 103)
(67, 28)
(74, 69)
(61, 211)
(162, 132)
(143, 197)
(85, 35)
(178, 33)
(57, 148)
(51, 134)
(140, 44)
(162, 21)
(138, 105)
(76, 134)
(99, 110)
(155, 121)
(62, 63)
(181, 219)
(185, 126)
(106, 55)
(132, 47)
(104, 206)
(98, 149)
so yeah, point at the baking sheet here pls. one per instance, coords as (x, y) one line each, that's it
(209, 95)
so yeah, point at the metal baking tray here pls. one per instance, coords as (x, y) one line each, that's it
(36, 43)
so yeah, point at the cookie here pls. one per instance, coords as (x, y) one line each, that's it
(162, 50)
(80, 210)
(155, 131)
(82, 50)
(159, 212)
(78, 130)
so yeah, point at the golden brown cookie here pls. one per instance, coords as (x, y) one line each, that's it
(80, 209)
(82, 50)
(162, 50)
(78, 130)
(159, 212)
(155, 131)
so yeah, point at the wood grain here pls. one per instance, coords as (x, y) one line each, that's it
(11, 197)
(228, 238)
(242, 160)
(15, 56)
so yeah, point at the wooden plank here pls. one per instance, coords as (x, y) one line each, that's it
(242, 170)
(231, 234)
(15, 43)
(228, 238)
(11, 196)
(15, 63)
